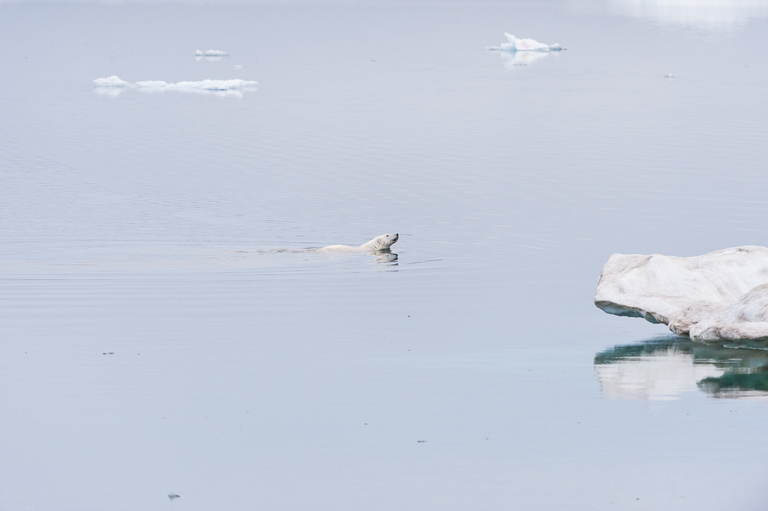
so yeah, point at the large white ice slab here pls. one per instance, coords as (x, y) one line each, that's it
(722, 295)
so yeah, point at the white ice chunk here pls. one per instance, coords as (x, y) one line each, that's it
(515, 44)
(111, 81)
(203, 85)
(211, 53)
(152, 83)
(213, 85)
(722, 295)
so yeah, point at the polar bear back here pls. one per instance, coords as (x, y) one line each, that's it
(341, 248)
(379, 243)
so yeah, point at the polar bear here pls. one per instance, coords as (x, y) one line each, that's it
(378, 244)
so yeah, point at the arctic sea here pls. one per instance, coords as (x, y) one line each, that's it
(167, 329)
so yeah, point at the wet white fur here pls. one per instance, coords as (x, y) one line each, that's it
(377, 244)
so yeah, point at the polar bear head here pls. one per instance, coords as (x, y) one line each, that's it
(383, 242)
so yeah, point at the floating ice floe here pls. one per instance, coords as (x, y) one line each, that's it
(211, 53)
(236, 85)
(112, 81)
(514, 44)
(722, 295)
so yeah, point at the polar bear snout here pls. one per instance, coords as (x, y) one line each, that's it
(382, 242)
(389, 240)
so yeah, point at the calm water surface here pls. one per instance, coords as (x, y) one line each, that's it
(166, 329)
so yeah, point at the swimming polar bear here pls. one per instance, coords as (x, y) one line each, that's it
(377, 244)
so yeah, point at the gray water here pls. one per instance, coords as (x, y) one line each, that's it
(166, 328)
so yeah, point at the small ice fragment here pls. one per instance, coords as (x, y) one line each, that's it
(211, 53)
(173, 496)
(515, 44)
(669, 76)
(112, 81)
(239, 66)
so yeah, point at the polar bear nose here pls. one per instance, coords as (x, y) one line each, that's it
(395, 237)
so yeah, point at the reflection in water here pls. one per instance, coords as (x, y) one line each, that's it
(713, 14)
(386, 258)
(521, 58)
(108, 91)
(663, 369)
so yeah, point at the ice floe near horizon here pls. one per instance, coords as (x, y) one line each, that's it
(708, 14)
(722, 295)
(514, 44)
(220, 86)
(211, 53)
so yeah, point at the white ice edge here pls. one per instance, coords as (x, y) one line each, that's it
(722, 295)
(514, 44)
(211, 53)
(209, 85)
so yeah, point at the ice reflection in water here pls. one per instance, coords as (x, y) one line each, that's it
(666, 368)
(514, 59)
